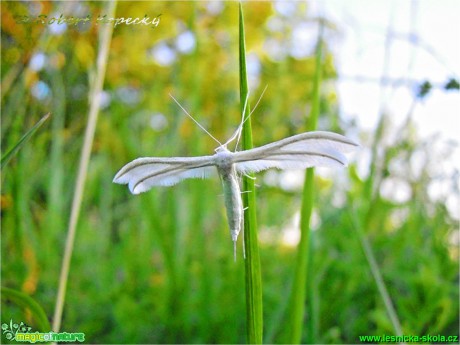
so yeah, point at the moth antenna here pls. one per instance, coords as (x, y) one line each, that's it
(204, 129)
(258, 101)
(241, 124)
(240, 129)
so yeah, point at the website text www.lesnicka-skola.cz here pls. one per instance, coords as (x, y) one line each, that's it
(409, 338)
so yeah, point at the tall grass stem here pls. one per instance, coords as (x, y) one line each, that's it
(376, 273)
(299, 288)
(95, 100)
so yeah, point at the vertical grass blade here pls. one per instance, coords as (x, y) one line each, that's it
(378, 278)
(10, 154)
(299, 288)
(252, 262)
(96, 88)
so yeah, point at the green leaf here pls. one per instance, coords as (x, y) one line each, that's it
(252, 263)
(25, 301)
(301, 288)
(6, 158)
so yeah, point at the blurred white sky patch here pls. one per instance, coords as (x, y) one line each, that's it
(253, 68)
(57, 29)
(37, 62)
(162, 54)
(302, 34)
(186, 42)
(423, 40)
(106, 98)
(291, 232)
(405, 43)
(383, 51)
(158, 122)
(41, 90)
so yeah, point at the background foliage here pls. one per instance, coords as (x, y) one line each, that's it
(158, 267)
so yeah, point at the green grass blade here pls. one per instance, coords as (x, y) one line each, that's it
(252, 262)
(304, 254)
(10, 154)
(25, 301)
(377, 275)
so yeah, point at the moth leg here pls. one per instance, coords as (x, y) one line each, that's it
(243, 174)
(244, 242)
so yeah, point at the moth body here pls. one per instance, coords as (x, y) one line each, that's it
(232, 200)
(232, 193)
(223, 157)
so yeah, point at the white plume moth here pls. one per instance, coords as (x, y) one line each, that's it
(301, 151)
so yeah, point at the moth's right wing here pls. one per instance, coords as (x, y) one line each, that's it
(144, 173)
(310, 149)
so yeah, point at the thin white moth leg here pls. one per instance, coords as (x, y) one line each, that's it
(242, 230)
(244, 243)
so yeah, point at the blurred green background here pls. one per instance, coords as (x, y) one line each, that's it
(158, 267)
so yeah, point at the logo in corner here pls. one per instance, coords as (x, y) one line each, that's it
(10, 330)
(23, 333)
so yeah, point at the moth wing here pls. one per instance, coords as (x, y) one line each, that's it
(144, 173)
(310, 149)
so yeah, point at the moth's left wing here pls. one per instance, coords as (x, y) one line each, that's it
(144, 173)
(310, 149)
